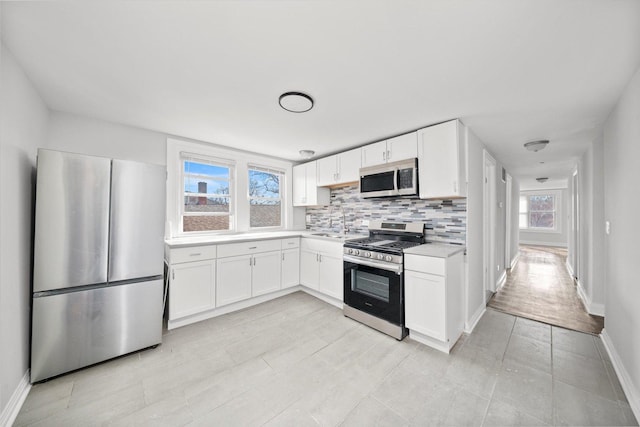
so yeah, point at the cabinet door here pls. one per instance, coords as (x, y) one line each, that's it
(327, 171)
(309, 268)
(191, 288)
(349, 166)
(290, 268)
(316, 196)
(402, 147)
(425, 304)
(299, 185)
(265, 273)
(233, 281)
(441, 161)
(331, 276)
(374, 154)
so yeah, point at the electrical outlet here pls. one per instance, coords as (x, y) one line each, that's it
(308, 218)
(365, 222)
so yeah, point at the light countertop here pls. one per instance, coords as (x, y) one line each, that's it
(438, 250)
(247, 237)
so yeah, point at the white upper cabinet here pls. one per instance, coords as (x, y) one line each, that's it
(401, 147)
(340, 168)
(442, 161)
(305, 188)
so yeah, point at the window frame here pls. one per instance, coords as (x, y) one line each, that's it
(557, 212)
(281, 185)
(203, 159)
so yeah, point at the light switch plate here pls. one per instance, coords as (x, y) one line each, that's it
(607, 227)
(308, 219)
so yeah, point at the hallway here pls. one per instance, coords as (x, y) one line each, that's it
(540, 288)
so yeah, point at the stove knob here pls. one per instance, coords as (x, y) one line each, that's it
(351, 251)
(388, 258)
(380, 256)
(356, 252)
(367, 254)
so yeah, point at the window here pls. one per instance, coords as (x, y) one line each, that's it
(538, 211)
(207, 186)
(265, 197)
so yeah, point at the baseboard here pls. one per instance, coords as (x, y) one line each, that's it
(470, 325)
(514, 261)
(592, 308)
(630, 390)
(569, 268)
(502, 280)
(10, 412)
(538, 243)
(225, 309)
(333, 301)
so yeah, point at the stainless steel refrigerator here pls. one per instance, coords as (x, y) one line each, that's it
(98, 260)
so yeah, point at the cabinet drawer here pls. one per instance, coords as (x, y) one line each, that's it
(325, 246)
(194, 253)
(291, 243)
(425, 264)
(245, 248)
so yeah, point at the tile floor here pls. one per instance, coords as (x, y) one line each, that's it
(297, 361)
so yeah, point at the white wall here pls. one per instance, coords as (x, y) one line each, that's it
(622, 207)
(591, 228)
(501, 222)
(24, 120)
(474, 294)
(77, 134)
(559, 238)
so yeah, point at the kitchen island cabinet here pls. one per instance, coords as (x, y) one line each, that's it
(434, 297)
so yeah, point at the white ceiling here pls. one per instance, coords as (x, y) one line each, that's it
(513, 71)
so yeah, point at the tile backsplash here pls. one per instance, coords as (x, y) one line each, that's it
(446, 220)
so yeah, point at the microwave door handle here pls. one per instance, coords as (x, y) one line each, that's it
(395, 180)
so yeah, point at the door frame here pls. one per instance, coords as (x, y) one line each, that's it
(508, 231)
(489, 224)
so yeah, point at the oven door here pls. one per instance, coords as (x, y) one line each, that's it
(374, 289)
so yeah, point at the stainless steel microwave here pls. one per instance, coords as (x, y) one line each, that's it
(390, 179)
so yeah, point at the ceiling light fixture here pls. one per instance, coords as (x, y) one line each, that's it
(296, 102)
(542, 179)
(536, 145)
(307, 154)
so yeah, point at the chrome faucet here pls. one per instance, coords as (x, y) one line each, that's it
(345, 229)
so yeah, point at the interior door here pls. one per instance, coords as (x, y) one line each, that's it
(136, 247)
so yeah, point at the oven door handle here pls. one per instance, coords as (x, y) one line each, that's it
(396, 268)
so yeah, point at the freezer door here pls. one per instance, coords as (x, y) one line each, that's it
(137, 220)
(72, 220)
(77, 329)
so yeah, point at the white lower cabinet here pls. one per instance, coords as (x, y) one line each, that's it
(321, 266)
(192, 288)
(290, 268)
(265, 273)
(234, 279)
(433, 299)
(331, 277)
(192, 278)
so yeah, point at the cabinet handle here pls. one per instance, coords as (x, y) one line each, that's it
(320, 256)
(254, 261)
(173, 275)
(250, 262)
(388, 155)
(283, 257)
(455, 186)
(253, 247)
(196, 254)
(384, 155)
(317, 257)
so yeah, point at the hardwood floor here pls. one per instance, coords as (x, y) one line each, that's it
(540, 288)
(297, 361)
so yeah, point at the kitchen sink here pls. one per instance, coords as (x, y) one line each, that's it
(333, 236)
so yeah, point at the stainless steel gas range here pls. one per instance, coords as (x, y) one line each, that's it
(374, 275)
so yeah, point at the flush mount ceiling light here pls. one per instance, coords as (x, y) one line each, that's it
(536, 145)
(296, 102)
(542, 179)
(307, 154)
